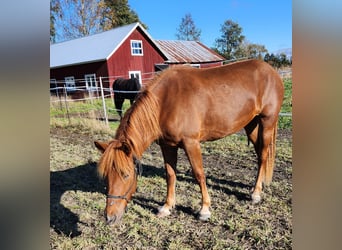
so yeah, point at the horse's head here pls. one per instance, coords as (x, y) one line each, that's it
(116, 166)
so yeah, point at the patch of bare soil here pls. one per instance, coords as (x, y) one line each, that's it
(78, 199)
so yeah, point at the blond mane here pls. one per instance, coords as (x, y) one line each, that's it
(137, 130)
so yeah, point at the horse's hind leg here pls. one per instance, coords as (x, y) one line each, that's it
(252, 130)
(261, 131)
(170, 161)
(253, 134)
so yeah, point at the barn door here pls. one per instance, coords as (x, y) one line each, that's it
(135, 74)
(90, 80)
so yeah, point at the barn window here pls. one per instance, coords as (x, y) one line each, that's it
(70, 83)
(135, 74)
(136, 48)
(90, 80)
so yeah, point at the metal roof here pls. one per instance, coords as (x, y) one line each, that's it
(187, 52)
(101, 46)
(91, 48)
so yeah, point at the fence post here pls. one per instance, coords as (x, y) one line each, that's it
(60, 99)
(103, 102)
(66, 103)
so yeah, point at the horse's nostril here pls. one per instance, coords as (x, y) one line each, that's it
(111, 219)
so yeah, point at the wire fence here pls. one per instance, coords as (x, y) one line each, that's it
(97, 101)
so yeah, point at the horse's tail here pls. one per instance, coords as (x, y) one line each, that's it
(271, 156)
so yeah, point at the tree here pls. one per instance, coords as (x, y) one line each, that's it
(187, 29)
(283, 59)
(252, 50)
(228, 45)
(55, 12)
(77, 18)
(117, 13)
(277, 61)
(71, 19)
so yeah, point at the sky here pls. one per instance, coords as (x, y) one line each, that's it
(264, 22)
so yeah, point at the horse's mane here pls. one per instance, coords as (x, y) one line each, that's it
(137, 129)
(140, 124)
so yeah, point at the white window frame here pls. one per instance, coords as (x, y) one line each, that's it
(136, 74)
(195, 65)
(137, 48)
(90, 80)
(70, 83)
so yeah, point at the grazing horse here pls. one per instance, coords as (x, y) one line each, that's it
(125, 89)
(182, 107)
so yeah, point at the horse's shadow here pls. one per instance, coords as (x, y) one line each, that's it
(229, 187)
(81, 178)
(84, 178)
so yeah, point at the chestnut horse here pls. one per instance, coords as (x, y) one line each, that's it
(182, 107)
(125, 89)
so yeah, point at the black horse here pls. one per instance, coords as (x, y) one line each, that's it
(125, 89)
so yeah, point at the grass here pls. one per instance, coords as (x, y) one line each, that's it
(77, 195)
(285, 122)
(85, 114)
(78, 200)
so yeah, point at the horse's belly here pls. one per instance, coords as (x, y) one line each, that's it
(219, 126)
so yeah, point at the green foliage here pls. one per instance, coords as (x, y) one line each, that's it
(118, 13)
(277, 61)
(285, 122)
(228, 45)
(251, 50)
(187, 29)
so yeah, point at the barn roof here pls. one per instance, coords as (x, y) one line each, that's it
(91, 48)
(101, 46)
(187, 52)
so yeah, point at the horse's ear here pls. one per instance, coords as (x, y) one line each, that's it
(126, 148)
(101, 145)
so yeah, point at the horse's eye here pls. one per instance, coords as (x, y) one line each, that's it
(126, 177)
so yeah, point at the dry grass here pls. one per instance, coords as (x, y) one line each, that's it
(78, 200)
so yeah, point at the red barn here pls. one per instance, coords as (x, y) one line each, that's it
(121, 52)
(127, 51)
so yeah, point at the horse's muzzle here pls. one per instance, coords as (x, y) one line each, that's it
(111, 219)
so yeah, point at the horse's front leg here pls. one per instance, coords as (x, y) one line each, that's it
(193, 150)
(170, 160)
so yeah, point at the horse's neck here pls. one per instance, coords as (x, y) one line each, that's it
(137, 141)
(140, 127)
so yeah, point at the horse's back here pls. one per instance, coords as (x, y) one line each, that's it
(225, 85)
(212, 103)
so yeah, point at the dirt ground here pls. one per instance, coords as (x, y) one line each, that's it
(77, 199)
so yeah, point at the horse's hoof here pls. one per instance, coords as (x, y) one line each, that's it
(162, 212)
(204, 216)
(256, 198)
